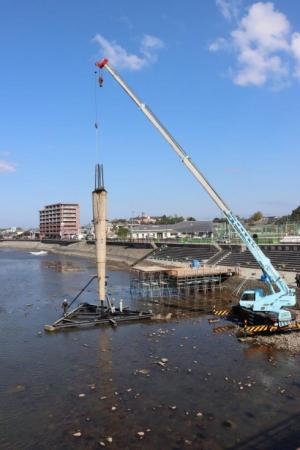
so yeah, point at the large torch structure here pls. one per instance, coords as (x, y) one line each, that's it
(99, 215)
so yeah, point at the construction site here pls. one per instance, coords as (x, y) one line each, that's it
(181, 287)
(196, 269)
(107, 343)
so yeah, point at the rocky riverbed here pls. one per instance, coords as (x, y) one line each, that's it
(170, 385)
(288, 341)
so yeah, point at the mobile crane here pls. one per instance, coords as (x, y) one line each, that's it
(266, 308)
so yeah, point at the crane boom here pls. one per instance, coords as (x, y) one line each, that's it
(284, 295)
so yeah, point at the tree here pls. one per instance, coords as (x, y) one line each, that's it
(219, 220)
(122, 232)
(191, 219)
(256, 217)
(295, 216)
(169, 220)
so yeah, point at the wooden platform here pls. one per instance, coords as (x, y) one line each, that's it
(204, 271)
(186, 272)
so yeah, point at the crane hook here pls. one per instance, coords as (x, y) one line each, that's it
(100, 81)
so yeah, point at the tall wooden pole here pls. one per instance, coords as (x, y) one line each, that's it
(99, 215)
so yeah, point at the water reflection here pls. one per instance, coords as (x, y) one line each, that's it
(62, 266)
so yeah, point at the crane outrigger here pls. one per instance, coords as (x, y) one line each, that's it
(269, 308)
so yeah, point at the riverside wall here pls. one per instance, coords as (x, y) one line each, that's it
(117, 255)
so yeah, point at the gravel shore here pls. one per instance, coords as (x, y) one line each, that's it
(289, 342)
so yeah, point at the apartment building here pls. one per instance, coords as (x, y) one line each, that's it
(60, 221)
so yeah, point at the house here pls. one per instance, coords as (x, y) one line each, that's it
(193, 228)
(152, 232)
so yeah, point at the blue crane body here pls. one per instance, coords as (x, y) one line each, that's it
(271, 305)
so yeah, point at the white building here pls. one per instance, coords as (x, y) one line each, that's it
(152, 232)
(190, 229)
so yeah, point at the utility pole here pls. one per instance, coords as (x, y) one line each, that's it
(131, 227)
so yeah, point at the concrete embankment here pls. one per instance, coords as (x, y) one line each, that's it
(117, 255)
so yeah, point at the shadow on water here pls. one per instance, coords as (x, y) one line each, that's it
(284, 435)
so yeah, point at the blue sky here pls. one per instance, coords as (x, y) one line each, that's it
(223, 76)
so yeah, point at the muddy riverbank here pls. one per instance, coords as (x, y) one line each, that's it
(118, 256)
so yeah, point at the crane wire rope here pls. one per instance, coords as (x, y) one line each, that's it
(96, 112)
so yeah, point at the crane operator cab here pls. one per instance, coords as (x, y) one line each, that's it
(258, 307)
(249, 297)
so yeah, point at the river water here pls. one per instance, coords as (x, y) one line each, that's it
(212, 393)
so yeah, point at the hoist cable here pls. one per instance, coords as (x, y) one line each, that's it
(96, 124)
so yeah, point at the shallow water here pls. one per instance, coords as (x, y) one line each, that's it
(248, 397)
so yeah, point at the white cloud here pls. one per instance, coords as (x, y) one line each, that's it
(6, 166)
(296, 52)
(265, 47)
(218, 44)
(119, 57)
(149, 46)
(263, 27)
(229, 8)
(152, 42)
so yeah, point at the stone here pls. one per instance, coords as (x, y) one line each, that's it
(19, 388)
(77, 434)
(160, 363)
(228, 423)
